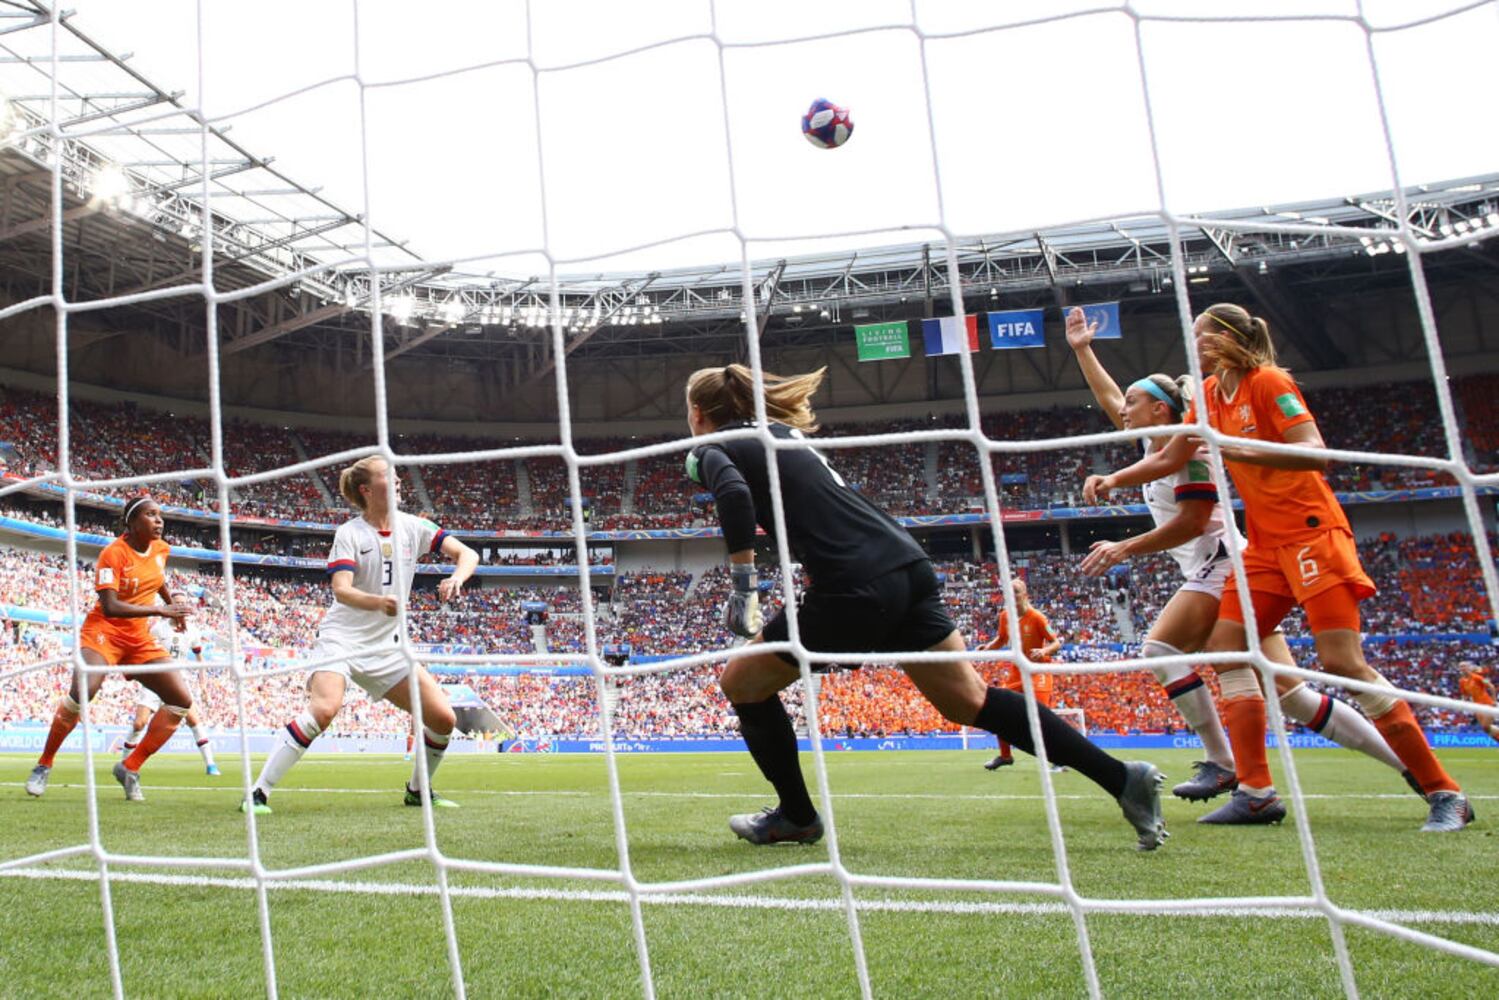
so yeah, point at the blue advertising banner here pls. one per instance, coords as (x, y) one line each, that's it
(1018, 328)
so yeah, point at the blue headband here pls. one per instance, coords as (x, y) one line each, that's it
(1148, 384)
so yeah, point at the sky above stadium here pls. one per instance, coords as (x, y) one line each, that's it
(1030, 126)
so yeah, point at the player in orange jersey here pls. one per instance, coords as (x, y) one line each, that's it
(1301, 551)
(1477, 688)
(1040, 644)
(129, 577)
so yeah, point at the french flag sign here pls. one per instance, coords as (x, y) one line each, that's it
(948, 334)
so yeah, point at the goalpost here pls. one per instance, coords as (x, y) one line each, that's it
(1318, 898)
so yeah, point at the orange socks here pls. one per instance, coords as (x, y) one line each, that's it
(1403, 733)
(163, 724)
(1245, 721)
(63, 722)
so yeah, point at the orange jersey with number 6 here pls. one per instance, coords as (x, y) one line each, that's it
(1281, 506)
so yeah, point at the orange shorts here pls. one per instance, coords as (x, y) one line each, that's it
(1323, 575)
(119, 648)
(1041, 682)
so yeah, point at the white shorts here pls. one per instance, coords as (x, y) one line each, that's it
(1210, 579)
(150, 700)
(377, 673)
(146, 698)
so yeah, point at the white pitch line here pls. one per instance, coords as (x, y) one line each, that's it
(1481, 918)
(574, 793)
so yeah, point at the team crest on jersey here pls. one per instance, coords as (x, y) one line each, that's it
(1244, 413)
(385, 549)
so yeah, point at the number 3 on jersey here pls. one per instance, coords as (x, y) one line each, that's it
(821, 458)
(387, 572)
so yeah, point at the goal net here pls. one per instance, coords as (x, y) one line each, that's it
(931, 39)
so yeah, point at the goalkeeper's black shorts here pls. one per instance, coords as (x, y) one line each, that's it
(897, 612)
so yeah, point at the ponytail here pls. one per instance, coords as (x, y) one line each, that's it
(1236, 340)
(727, 394)
(355, 476)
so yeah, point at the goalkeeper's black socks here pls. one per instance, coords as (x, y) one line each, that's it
(1004, 715)
(767, 732)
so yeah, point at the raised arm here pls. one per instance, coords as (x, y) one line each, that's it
(1080, 338)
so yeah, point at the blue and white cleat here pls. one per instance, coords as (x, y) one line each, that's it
(769, 826)
(130, 781)
(1209, 781)
(36, 783)
(1243, 809)
(1450, 812)
(213, 771)
(1141, 803)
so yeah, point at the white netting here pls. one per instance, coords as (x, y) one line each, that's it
(1316, 901)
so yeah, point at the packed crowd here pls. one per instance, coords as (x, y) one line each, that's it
(122, 440)
(1429, 584)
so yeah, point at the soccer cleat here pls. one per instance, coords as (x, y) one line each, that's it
(1209, 781)
(1243, 809)
(768, 826)
(1450, 811)
(1410, 779)
(130, 781)
(1141, 802)
(438, 801)
(212, 770)
(257, 802)
(995, 763)
(36, 784)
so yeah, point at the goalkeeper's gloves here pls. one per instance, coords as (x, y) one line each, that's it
(741, 615)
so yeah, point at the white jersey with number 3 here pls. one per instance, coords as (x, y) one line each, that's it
(370, 554)
(1194, 481)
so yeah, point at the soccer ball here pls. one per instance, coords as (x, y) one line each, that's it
(826, 125)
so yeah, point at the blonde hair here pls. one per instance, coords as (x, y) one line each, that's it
(355, 476)
(1238, 341)
(727, 394)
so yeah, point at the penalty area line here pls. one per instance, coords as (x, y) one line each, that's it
(646, 794)
(883, 905)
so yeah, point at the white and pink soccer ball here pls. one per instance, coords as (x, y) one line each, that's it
(826, 125)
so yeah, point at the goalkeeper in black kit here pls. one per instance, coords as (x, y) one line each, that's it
(872, 590)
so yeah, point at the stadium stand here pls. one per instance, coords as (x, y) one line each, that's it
(113, 441)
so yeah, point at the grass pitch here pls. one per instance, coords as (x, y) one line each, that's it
(195, 931)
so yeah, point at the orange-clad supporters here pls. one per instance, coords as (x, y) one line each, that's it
(1301, 551)
(1037, 641)
(1477, 688)
(130, 581)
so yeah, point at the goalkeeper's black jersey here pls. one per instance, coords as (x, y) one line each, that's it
(838, 536)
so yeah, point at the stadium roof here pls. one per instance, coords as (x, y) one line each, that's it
(135, 165)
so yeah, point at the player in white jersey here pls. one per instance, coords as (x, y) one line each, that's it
(1193, 525)
(372, 563)
(180, 646)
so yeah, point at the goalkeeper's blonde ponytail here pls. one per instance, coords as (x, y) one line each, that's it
(726, 395)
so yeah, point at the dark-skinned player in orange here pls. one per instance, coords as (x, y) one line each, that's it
(130, 579)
